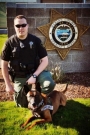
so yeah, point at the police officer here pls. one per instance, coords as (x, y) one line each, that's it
(27, 59)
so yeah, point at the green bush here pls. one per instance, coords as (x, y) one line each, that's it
(57, 74)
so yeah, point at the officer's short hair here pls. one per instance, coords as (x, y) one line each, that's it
(20, 17)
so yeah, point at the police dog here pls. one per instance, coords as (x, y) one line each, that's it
(43, 107)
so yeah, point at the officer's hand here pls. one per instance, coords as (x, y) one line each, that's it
(9, 89)
(31, 80)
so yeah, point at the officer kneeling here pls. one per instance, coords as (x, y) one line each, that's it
(24, 58)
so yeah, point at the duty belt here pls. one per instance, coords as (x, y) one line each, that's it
(21, 74)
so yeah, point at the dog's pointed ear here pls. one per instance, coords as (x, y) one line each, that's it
(63, 100)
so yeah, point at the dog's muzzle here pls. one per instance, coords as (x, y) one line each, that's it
(34, 106)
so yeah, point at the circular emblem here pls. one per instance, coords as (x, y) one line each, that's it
(63, 33)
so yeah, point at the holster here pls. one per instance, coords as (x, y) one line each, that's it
(20, 70)
(12, 74)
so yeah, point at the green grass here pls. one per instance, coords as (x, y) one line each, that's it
(3, 38)
(73, 119)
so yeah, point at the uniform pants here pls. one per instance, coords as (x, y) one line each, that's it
(44, 79)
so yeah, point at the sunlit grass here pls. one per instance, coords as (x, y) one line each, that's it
(73, 119)
(3, 38)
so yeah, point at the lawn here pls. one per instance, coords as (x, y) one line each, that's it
(3, 38)
(73, 119)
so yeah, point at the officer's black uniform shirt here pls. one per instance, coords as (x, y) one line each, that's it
(23, 54)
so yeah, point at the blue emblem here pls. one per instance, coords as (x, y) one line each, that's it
(63, 33)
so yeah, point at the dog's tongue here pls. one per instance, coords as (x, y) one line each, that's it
(34, 106)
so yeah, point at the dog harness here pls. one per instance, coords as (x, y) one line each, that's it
(42, 107)
(50, 107)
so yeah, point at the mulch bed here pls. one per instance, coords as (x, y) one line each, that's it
(78, 86)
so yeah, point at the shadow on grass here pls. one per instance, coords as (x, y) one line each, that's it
(75, 115)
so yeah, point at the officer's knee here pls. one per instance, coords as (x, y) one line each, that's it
(48, 86)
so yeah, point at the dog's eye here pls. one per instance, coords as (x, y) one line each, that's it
(32, 96)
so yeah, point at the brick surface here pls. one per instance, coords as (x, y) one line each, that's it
(76, 60)
(10, 22)
(21, 11)
(11, 12)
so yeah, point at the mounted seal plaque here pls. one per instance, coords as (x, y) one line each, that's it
(63, 33)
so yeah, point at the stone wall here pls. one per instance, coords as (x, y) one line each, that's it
(39, 14)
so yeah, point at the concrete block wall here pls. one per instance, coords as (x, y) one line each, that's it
(39, 14)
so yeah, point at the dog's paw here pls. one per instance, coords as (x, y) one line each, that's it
(28, 128)
(22, 126)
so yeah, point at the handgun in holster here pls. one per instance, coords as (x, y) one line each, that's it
(12, 74)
